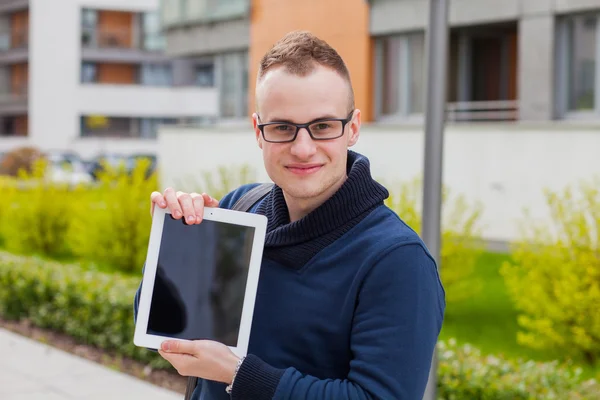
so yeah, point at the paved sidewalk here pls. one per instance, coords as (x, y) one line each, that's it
(32, 370)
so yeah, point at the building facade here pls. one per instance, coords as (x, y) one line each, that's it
(91, 76)
(509, 60)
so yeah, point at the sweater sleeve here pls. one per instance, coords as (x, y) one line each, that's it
(397, 320)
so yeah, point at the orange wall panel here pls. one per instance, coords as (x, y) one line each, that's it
(19, 26)
(117, 73)
(115, 28)
(344, 24)
(19, 78)
(21, 125)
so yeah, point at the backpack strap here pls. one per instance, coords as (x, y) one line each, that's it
(244, 203)
(251, 197)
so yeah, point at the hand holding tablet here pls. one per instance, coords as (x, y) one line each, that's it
(200, 279)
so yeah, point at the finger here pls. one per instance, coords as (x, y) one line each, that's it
(187, 206)
(210, 201)
(181, 362)
(173, 203)
(156, 198)
(178, 347)
(198, 202)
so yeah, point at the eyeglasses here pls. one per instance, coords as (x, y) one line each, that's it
(321, 129)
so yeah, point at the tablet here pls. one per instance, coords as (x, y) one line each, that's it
(200, 280)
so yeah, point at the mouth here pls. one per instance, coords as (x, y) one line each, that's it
(304, 169)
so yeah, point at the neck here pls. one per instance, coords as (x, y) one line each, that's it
(298, 208)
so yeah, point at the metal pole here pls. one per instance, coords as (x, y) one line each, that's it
(437, 51)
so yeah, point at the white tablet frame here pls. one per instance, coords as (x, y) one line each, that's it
(259, 222)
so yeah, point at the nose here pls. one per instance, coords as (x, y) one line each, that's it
(303, 147)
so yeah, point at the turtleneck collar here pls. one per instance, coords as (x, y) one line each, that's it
(294, 244)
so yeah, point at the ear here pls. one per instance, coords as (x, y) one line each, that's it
(354, 128)
(259, 138)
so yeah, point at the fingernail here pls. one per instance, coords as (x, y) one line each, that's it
(191, 218)
(165, 346)
(176, 214)
(163, 204)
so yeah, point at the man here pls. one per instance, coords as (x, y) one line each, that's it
(349, 302)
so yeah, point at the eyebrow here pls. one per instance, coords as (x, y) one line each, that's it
(326, 116)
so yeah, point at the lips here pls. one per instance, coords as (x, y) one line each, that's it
(304, 169)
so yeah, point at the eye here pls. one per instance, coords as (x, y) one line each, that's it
(322, 125)
(283, 128)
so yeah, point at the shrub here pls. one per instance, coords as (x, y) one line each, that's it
(93, 307)
(36, 214)
(22, 158)
(460, 245)
(7, 188)
(554, 279)
(464, 373)
(96, 308)
(217, 184)
(113, 225)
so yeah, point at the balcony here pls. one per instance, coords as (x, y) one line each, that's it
(128, 45)
(499, 110)
(14, 46)
(176, 12)
(144, 101)
(14, 101)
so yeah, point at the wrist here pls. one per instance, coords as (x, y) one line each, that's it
(230, 366)
(238, 364)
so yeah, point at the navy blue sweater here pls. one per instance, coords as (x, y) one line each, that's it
(349, 302)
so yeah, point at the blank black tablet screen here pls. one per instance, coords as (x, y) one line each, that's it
(200, 280)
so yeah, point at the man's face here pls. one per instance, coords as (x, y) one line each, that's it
(305, 168)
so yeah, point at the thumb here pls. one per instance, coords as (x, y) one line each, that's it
(178, 346)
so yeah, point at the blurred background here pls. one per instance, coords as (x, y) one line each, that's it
(104, 101)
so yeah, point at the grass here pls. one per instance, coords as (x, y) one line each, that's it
(488, 320)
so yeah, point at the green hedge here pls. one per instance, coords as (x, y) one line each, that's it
(464, 373)
(96, 308)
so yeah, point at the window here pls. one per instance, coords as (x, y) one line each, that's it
(89, 73)
(89, 22)
(581, 33)
(122, 127)
(149, 126)
(103, 126)
(229, 92)
(14, 125)
(400, 66)
(578, 90)
(156, 75)
(205, 75)
(153, 39)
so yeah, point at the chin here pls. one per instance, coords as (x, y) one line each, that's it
(300, 189)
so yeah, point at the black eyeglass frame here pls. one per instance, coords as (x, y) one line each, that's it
(306, 126)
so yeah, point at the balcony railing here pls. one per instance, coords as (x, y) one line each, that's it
(501, 110)
(177, 12)
(120, 38)
(14, 95)
(107, 38)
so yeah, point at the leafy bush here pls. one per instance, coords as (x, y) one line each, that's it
(460, 246)
(93, 307)
(7, 188)
(22, 158)
(554, 280)
(217, 184)
(96, 308)
(464, 373)
(35, 214)
(113, 224)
